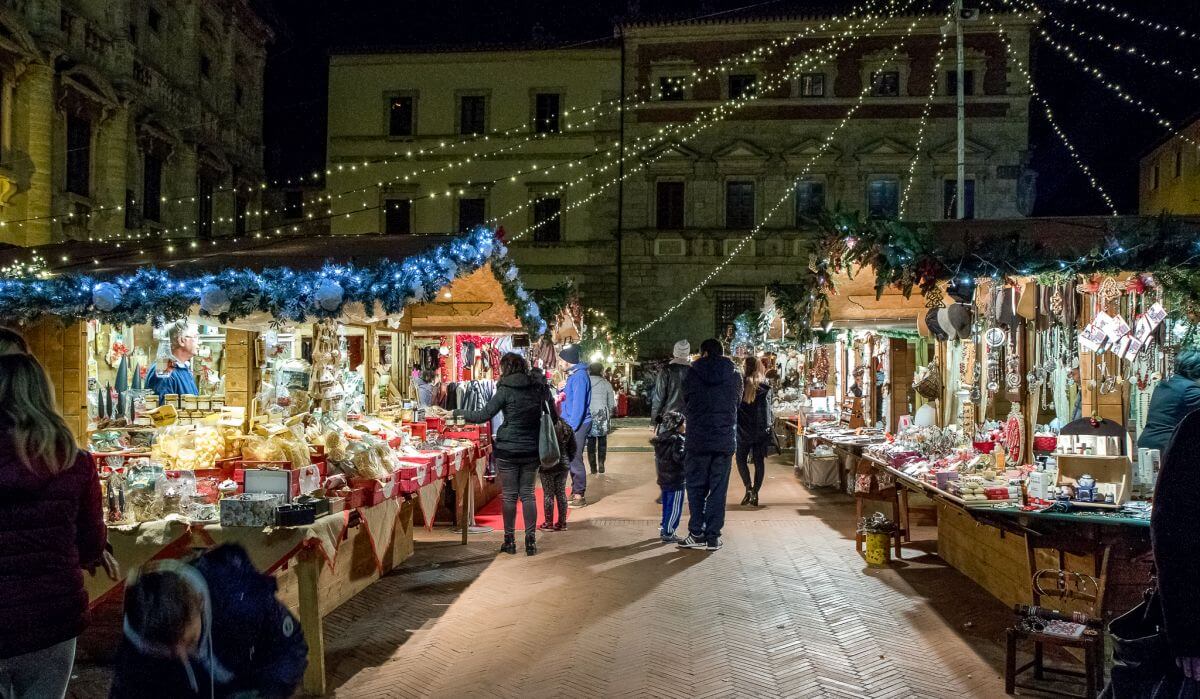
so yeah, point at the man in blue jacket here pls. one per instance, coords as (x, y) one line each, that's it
(576, 412)
(710, 396)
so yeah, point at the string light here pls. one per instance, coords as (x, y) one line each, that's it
(1062, 136)
(808, 166)
(1128, 17)
(1122, 49)
(912, 166)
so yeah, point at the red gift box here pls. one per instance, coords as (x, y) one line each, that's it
(408, 486)
(1045, 443)
(416, 472)
(418, 429)
(438, 424)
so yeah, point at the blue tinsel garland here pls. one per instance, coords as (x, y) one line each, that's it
(152, 295)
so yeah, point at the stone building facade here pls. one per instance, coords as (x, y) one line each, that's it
(636, 246)
(128, 118)
(1169, 175)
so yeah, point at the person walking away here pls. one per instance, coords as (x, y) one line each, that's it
(753, 427)
(668, 388)
(602, 406)
(208, 627)
(519, 395)
(554, 479)
(51, 527)
(1172, 401)
(711, 392)
(669, 463)
(576, 411)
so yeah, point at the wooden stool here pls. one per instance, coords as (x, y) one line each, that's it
(1058, 587)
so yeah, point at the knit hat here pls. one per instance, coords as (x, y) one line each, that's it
(570, 354)
(683, 350)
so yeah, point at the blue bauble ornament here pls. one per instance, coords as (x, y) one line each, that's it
(501, 250)
(510, 273)
(522, 294)
(534, 309)
(541, 327)
(418, 289)
(106, 296)
(329, 295)
(213, 300)
(487, 245)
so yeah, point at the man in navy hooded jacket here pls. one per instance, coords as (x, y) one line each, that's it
(710, 397)
(576, 412)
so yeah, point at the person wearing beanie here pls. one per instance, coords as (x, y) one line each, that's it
(668, 389)
(576, 412)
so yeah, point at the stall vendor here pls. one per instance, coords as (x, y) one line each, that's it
(177, 377)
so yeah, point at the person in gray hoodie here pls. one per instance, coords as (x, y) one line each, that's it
(711, 392)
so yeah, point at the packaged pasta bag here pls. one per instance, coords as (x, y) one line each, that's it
(258, 448)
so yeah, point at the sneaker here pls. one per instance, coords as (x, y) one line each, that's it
(545, 526)
(692, 542)
(577, 501)
(714, 544)
(560, 527)
(669, 538)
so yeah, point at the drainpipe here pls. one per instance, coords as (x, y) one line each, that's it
(621, 188)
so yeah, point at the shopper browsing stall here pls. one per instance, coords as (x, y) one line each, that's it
(51, 526)
(754, 423)
(1172, 401)
(576, 411)
(603, 405)
(174, 373)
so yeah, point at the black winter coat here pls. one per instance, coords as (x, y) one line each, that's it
(520, 397)
(668, 460)
(668, 390)
(1173, 535)
(711, 392)
(254, 637)
(754, 419)
(1171, 401)
(50, 528)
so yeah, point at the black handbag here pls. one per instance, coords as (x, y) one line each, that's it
(1143, 666)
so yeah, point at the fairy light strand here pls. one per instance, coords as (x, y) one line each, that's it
(912, 166)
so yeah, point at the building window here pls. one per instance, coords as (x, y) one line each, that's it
(152, 187)
(472, 114)
(669, 212)
(241, 207)
(883, 197)
(79, 155)
(810, 200)
(739, 204)
(131, 211)
(293, 204)
(400, 116)
(1179, 163)
(133, 31)
(670, 89)
(729, 305)
(885, 83)
(238, 95)
(1154, 177)
(952, 82)
(205, 65)
(812, 85)
(204, 206)
(153, 19)
(547, 220)
(471, 213)
(742, 86)
(545, 112)
(950, 201)
(397, 216)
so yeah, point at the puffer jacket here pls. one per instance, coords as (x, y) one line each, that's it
(51, 527)
(520, 397)
(668, 390)
(711, 391)
(754, 419)
(1173, 538)
(1172, 400)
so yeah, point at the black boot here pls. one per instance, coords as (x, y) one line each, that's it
(530, 545)
(602, 468)
(753, 497)
(747, 497)
(510, 544)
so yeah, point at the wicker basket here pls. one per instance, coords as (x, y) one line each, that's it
(930, 384)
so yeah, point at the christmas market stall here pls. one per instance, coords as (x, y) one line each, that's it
(1048, 338)
(251, 392)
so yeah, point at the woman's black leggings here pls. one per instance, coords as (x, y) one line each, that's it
(517, 479)
(759, 451)
(596, 444)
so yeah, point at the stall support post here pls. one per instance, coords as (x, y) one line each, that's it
(308, 574)
(468, 495)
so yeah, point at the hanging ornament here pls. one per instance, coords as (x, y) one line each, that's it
(934, 298)
(1110, 291)
(510, 273)
(1014, 433)
(329, 295)
(213, 300)
(106, 296)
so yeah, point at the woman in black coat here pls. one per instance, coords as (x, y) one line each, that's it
(1171, 401)
(520, 396)
(1173, 535)
(753, 427)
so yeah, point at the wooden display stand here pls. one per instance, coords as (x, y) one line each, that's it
(852, 413)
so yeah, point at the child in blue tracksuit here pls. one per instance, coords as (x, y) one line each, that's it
(668, 462)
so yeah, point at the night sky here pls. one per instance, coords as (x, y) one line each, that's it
(1109, 134)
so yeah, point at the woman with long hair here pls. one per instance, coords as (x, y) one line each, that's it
(520, 396)
(753, 427)
(51, 527)
(603, 405)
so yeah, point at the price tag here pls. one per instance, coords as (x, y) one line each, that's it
(1093, 339)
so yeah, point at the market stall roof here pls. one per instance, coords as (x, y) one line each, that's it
(296, 252)
(473, 303)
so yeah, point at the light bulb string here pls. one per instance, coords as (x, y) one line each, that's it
(923, 128)
(750, 236)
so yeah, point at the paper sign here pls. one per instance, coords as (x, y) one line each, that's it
(1128, 347)
(1142, 328)
(1092, 338)
(1156, 314)
(1114, 327)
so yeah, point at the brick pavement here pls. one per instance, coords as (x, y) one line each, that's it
(786, 609)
